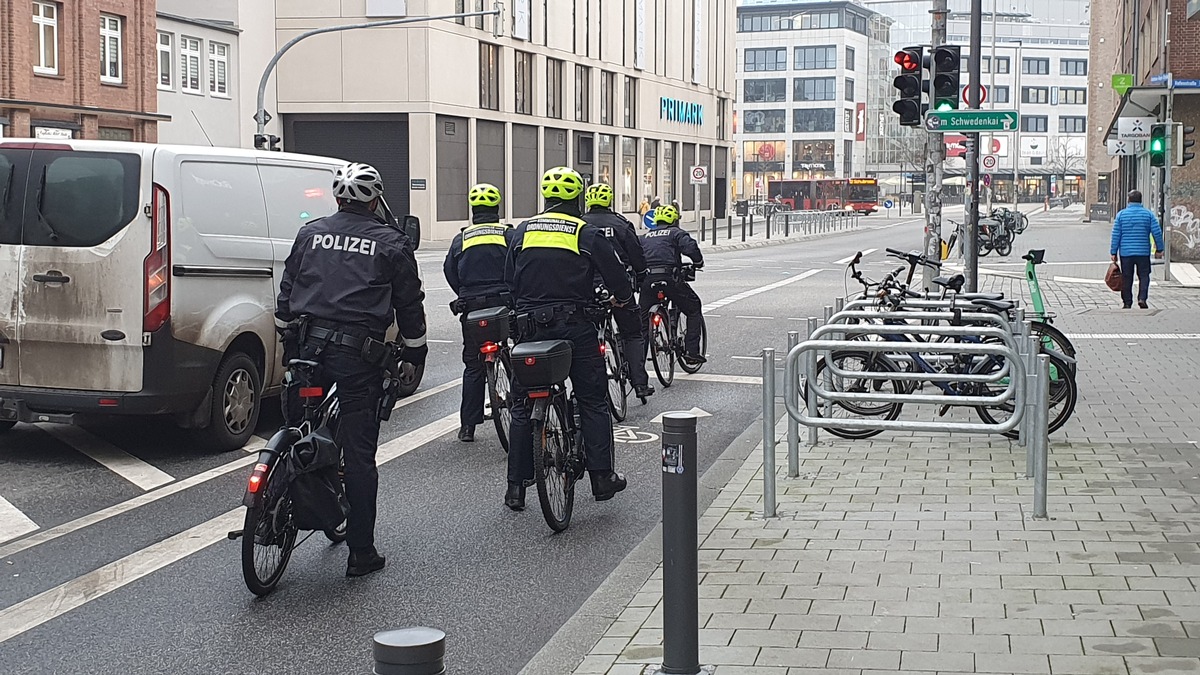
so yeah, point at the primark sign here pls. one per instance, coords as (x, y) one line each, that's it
(674, 110)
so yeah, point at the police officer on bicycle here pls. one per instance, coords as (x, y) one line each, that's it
(550, 271)
(664, 247)
(474, 269)
(348, 278)
(631, 320)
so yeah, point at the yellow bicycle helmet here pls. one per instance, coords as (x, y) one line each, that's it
(484, 194)
(562, 183)
(599, 195)
(666, 214)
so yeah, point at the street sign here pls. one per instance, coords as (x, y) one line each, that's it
(1161, 78)
(1123, 148)
(699, 175)
(972, 120)
(987, 179)
(989, 161)
(887, 204)
(1134, 128)
(1185, 84)
(1121, 83)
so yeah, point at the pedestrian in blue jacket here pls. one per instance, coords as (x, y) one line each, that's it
(1132, 229)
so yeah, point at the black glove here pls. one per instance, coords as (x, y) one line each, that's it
(415, 355)
(290, 338)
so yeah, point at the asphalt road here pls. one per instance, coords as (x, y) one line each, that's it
(125, 567)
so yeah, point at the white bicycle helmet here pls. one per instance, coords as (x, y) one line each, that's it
(357, 182)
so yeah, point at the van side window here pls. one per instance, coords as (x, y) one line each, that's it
(295, 195)
(80, 199)
(220, 198)
(14, 167)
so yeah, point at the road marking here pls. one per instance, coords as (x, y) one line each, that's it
(440, 342)
(1134, 336)
(13, 523)
(756, 318)
(48, 605)
(140, 473)
(697, 412)
(847, 260)
(421, 396)
(721, 379)
(717, 304)
(1077, 280)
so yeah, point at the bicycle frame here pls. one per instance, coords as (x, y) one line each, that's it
(1035, 287)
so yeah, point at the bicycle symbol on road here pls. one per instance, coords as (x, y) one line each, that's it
(627, 434)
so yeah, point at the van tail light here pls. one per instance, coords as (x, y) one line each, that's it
(157, 280)
(257, 478)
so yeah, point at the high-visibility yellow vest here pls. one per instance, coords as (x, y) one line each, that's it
(553, 230)
(491, 234)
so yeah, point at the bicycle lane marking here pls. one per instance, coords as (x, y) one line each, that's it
(48, 605)
(717, 304)
(13, 522)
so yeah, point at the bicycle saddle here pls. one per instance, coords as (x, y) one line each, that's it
(996, 305)
(981, 296)
(954, 283)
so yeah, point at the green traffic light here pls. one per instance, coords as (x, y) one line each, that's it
(943, 106)
(1157, 145)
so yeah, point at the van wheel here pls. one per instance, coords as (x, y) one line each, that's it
(5, 426)
(236, 402)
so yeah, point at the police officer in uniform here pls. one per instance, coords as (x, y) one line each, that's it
(550, 270)
(474, 268)
(664, 246)
(348, 278)
(631, 320)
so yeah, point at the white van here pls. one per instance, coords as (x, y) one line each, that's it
(141, 279)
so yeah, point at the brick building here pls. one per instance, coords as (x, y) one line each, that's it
(76, 69)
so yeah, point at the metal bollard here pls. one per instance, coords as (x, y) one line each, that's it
(704, 228)
(793, 430)
(839, 304)
(751, 225)
(768, 365)
(681, 568)
(1041, 437)
(411, 651)
(714, 239)
(744, 227)
(811, 400)
(728, 228)
(1031, 385)
(826, 317)
(787, 226)
(770, 224)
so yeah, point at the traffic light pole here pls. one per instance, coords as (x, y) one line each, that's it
(934, 167)
(974, 60)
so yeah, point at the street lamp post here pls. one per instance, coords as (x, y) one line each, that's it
(1016, 96)
(262, 116)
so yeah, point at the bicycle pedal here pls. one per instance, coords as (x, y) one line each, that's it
(943, 410)
(235, 535)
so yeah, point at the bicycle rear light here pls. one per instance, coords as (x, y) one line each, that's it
(311, 392)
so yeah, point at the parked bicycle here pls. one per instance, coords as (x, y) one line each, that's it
(668, 326)
(491, 329)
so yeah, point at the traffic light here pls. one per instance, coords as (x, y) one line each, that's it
(266, 142)
(946, 61)
(1182, 142)
(1158, 145)
(910, 85)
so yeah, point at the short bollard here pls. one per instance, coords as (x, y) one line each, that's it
(793, 430)
(768, 366)
(714, 231)
(1041, 437)
(770, 224)
(1031, 384)
(410, 651)
(744, 227)
(703, 228)
(728, 229)
(751, 225)
(787, 226)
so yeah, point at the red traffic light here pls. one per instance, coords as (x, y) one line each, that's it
(909, 60)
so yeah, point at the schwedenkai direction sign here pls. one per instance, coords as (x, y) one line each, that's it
(972, 120)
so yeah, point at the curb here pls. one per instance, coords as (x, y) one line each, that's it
(778, 241)
(567, 648)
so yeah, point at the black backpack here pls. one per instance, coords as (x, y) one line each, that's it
(315, 486)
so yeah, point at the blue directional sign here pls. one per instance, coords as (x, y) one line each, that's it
(887, 204)
(1161, 78)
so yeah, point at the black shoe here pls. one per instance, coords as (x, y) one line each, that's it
(605, 484)
(514, 497)
(695, 359)
(466, 433)
(363, 561)
(1142, 304)
(643, 391)
(1127, 307)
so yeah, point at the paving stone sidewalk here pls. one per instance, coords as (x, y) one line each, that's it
(917, 553)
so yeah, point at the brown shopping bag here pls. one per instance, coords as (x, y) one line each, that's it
(1112, 278)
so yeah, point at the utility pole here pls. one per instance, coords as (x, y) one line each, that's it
(992, 101)
(1165, 220)
(1015, 97)
(934, 162)
(974, 60)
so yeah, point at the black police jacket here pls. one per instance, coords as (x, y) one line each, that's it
(555, 257)
(665, 245)
(474, 265)
(354, 269)
(621, 233)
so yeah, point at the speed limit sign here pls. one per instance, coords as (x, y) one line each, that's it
(699, 175)
(989, 161)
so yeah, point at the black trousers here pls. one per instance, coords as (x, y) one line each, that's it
(1129, 265)
(686, 300)
(470, 413)
(590, 384)
(631, 323)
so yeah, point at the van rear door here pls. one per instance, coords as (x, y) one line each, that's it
(14, 170)
(87, 248)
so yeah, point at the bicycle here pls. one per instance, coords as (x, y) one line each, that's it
(491, 329)
(616, 362)
(668, 329)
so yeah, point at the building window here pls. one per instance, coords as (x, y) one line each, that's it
(816, 58)
(764, 121)
(849, 58)
(524, 73)
(812, 155)
(722, 104)
(817, 20)
(460, 7)
(554, 69)
(583, 93)
(1072, 125)
(814, 89)
(1000, 94)
(764, 91)
(1035, 95)
(608, 91)
(1072, 96)
(189, 65)
(166, 61)
(628, 172)
(630, 102)
(1031, 66)
(489, 76)
(649, 167)
(757, 60)
(849, 89)
(1002, 64)
(1073, 67)
(812, 120)
(110, 49)
(479, 19)
(45, 24)
(218, 69)
(1034, 123)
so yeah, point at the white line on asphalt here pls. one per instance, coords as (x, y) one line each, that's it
(136, 471)
(48, 605)
(1134, 336)
(847, 259)
(746, 358)
(717, 304)
(722, 379)
(13, 523)
(758, 318)
(115, 510)
(440, 342)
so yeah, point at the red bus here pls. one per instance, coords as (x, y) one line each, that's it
(826, 194)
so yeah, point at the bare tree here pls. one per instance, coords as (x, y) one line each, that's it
(1066, 156)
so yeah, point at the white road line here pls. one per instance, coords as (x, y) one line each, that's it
(847, 259)
(722, 379)
(48, 605)
(125, 465)
(746, 358)
(440, 342)
(717, 304)
(1134, 336)
(13, 523)
(422, 395)
(758, 318)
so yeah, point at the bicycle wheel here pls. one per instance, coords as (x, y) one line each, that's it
(1064, 394)
(850, 361)
(618, 382)
(1022, 222)
(1004, 245)
(681, 331)
(984, 244)
(268, 538)
(1053, 338)
(500, 395)
(336, 535)
(662, 349)
(552, 468)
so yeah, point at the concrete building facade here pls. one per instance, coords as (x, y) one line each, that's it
(197, 73)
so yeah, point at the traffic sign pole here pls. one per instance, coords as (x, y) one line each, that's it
(935, 157)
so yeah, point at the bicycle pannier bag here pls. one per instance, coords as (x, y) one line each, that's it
(1113, 278)
(318, 500)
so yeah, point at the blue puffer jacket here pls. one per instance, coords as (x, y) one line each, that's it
(1132, 229)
